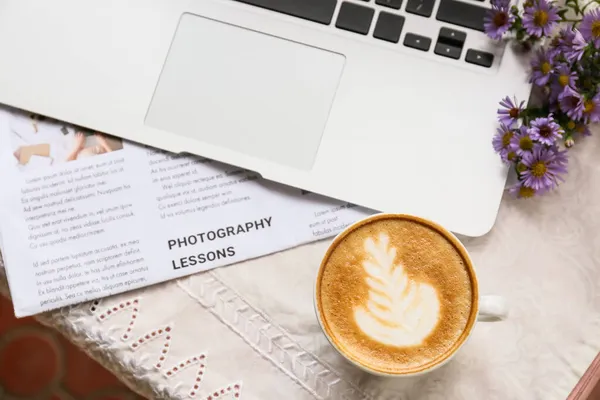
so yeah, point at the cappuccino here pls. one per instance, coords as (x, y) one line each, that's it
(396, 294)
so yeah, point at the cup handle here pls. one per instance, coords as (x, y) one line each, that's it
(492, 308)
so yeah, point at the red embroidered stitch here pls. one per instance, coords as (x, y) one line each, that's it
(156, 333)
(124, 305)
(153, 335)
(196, 360)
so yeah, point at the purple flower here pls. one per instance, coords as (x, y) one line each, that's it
(545, 130)
(541, 68)
(511, 112)
(590, 27)
(521, 142)
(498, 20)
(501, 143)
(571, 43)
(583, 129)
(564, 76)
(555, 91)
(500, 3)
(523, 192)
(571, 103)
(543, 167)
(591, 109)
(540, 18)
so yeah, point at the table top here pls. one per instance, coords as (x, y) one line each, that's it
(249, 330)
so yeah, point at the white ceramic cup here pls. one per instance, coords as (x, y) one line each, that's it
(488, 308)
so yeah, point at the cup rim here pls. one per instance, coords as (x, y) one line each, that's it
(445, 357)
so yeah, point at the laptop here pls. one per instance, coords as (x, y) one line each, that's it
(387, 104)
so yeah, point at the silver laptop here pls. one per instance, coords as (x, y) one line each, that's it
(389, 104)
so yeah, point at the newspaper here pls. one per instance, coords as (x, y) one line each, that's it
(84, 215)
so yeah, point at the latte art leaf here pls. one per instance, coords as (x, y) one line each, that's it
(399, 311)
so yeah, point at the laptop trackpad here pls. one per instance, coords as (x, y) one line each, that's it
(257, 94)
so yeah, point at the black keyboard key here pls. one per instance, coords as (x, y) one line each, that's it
(320, 11)
(389, 27)
(396, 4)
(450, 43)
(417, 41)
(354, 18)
(461, 14)
(480, 58)
(424, 8)
(447, 50)
(452, 37)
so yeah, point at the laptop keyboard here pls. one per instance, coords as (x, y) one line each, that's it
(461, 14)
(395, 4)
(424, 8)
(389, 27)
(320, 11)
(357, 18)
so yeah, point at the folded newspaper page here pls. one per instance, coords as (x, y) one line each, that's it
(84, 215)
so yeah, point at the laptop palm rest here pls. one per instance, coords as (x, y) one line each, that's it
(250, 92)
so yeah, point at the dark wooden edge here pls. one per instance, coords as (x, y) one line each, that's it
(588, 387)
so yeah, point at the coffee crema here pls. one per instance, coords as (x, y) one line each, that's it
(396, 294)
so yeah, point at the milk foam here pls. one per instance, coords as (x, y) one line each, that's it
(399, 311)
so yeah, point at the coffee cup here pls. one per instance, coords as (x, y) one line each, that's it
(397, 295)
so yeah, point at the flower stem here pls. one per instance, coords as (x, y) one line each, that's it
(587, 5)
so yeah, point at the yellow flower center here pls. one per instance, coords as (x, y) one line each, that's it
(513, 112)
(526, 192)
(525, 143)
(570, 125)
(506, 138)
(545, 68)
(521, 168)
(596, 28)
(538, 169)
(588, 106)
(511, 155)
(540, 18)
(563, 80)
(581, 128)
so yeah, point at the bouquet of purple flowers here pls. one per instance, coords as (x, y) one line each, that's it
(567, 74)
